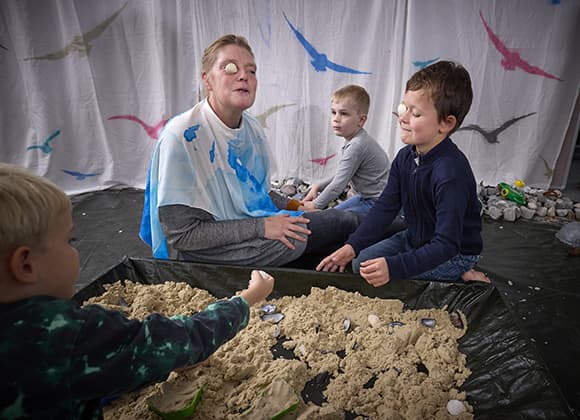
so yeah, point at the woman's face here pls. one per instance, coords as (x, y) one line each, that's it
(233, 90)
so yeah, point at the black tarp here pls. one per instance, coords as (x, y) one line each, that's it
(509, 379)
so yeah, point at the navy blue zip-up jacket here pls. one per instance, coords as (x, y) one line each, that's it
(439, 198)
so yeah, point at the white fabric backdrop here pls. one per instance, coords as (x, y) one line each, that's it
(76, 75)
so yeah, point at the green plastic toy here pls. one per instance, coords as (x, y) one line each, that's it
(512, 194)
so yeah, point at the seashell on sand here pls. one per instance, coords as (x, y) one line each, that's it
(455, 407)
(346, 324)
(428, 322)
(374, 320)
(273, 318)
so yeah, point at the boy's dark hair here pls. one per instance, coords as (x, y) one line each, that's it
(449, 87)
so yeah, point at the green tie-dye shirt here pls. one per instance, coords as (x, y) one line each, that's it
(57, 360)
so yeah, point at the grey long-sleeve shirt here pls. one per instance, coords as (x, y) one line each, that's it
(193, 234)
(364, 164)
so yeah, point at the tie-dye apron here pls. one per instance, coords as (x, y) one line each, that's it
(200, 162)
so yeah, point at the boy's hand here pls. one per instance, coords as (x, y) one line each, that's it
(307, 206)
(312, 193)
(284, 226)
(260, 286)
(338, 260)
(375, 271)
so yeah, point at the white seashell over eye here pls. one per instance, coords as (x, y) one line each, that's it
(231, 68)
(401, 109)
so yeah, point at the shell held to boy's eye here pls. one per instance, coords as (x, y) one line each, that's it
(401, 109)
(231, 68)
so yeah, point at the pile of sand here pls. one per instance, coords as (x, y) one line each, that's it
(350, 353)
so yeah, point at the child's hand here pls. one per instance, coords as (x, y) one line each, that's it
(338, 260)
(307, 206)
(312, 193)
(260, 286)
(375, 271)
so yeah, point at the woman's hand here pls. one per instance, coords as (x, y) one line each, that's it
(338, 260)
(284, 227)
(375, 271)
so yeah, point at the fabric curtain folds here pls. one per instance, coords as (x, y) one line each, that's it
(87, 86)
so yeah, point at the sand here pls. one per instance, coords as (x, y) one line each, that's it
(336, 352)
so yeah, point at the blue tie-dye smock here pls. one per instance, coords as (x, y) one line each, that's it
(200, 162)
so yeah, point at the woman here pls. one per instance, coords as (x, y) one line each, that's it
(208, 195)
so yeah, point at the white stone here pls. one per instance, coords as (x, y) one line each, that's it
(541, 211)
(509, 214)
(527, 213)
(494, 212)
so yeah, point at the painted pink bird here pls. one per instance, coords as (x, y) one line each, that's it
(511, 58)
(152, 130)
(323, 161)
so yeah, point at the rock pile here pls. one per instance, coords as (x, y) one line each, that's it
(540, 204)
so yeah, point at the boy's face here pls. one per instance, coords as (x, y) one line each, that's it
(57, 263)
(420, 123)
(232, 92)
(345, 118)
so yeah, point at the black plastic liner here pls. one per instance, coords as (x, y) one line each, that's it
(509, 379)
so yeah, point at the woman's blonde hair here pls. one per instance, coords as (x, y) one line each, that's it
(210, 53)
(28, 206)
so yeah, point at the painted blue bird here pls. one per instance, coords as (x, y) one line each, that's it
(45, 146)
(320, 61)
(79, 176)
(425, 63)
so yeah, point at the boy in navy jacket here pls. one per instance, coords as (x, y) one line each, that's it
(432, 181)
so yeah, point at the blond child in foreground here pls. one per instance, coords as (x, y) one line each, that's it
(59, 360)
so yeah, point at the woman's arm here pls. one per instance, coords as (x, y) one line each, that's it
(191, 229)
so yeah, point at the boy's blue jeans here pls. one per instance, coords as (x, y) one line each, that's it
(357, 204)
(449, 271)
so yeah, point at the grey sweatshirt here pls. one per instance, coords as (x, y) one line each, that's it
(364, 164)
